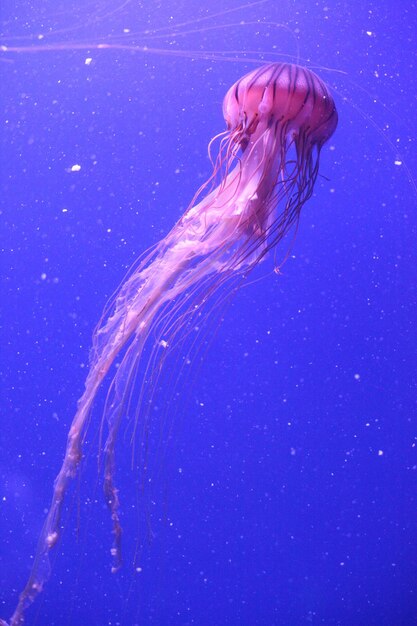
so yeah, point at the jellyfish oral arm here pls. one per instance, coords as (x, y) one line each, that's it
(196, 248)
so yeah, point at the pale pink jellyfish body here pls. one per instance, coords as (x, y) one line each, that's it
(278, 118)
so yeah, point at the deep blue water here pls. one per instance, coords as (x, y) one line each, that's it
(283, 471)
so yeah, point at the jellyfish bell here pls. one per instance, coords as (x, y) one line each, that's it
(278, 117)
(282, 94)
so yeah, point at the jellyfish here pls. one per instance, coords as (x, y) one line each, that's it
(278, 118)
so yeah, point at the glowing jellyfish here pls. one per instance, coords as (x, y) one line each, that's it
(278, 118)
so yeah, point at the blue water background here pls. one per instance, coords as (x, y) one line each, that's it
(283, 472)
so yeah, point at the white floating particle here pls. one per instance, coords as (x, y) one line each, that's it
(88, 61)
(65, 210)
(398, 162)
(51, 539)
(163, 343)
(357, 376)
(75, 168)
(369, 33)
(380, 452)
(43, 276)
